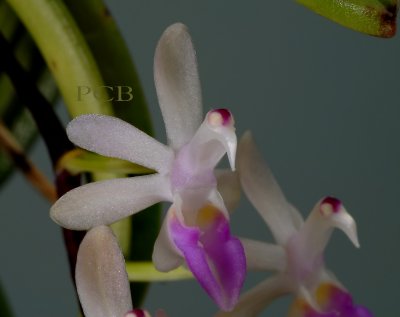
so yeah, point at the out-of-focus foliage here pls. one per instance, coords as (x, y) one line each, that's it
(373, 17)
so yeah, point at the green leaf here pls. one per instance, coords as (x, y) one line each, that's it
(114, 59)
(373, 17)
(65, 51)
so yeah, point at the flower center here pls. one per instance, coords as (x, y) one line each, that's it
(186, 174)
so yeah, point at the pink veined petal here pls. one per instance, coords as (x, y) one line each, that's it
(105, 202)
(101, 279)
(264, 192)
(215, 258)
(178, 85)
(261, 256)
(254, 301)
(113, 137)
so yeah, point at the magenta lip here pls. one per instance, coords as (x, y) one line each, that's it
(225, 114)
(334, 202)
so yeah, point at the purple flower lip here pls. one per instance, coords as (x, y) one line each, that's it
(220, 117)
(214, 256)
(330, 205)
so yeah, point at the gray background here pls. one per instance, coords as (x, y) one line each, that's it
(322, 102)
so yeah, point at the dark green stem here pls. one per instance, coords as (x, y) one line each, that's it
(48, 124)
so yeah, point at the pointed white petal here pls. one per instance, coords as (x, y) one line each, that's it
(166, 256)
(101, 279)
(229, 188)
(113, 137)
(261, 256)
(177, 84)
(107, 201)
(253, 302)
(264, 192)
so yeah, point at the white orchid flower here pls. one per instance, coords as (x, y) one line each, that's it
(101, 279)
(297, 258)
(196, 227)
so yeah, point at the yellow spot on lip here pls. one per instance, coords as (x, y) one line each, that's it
(206, 215)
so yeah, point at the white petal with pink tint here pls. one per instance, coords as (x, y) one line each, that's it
(178, 85)
(105, 202)
(114, 137)
(264, 192)
(262, 256)
(101, 279)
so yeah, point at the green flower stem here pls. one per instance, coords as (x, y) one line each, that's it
(65, 51)
(146, 272)
(374, 17)
(81, 161)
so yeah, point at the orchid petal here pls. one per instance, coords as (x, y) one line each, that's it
(263, 191)
(101, 279)
(108, 201)
(263, 256)
(229, 188)
(215, 258)
(254, 301)
(113, 137)
(178, 85)
(166, 256)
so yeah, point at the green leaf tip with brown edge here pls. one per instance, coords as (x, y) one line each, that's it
(373, 17)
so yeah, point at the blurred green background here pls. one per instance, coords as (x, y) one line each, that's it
(323, 104)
